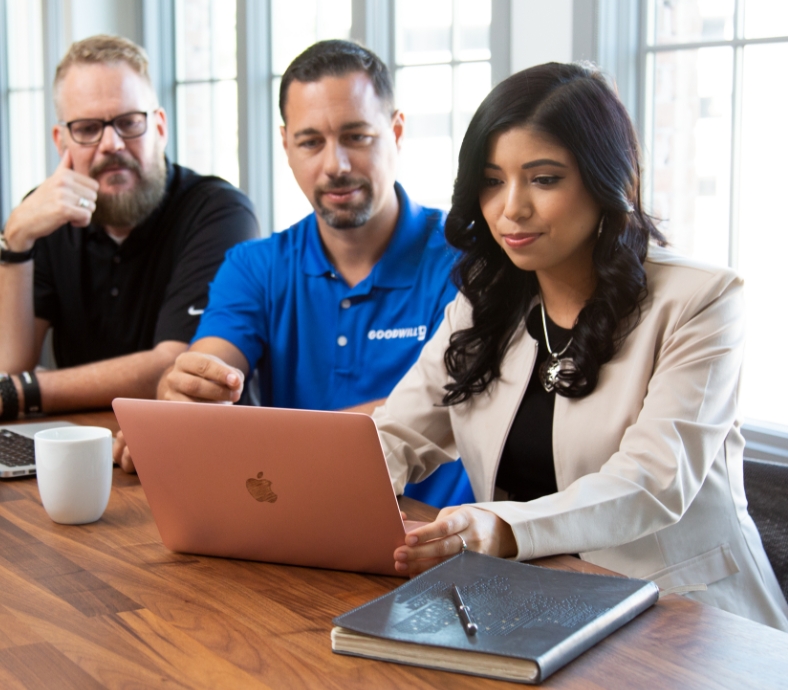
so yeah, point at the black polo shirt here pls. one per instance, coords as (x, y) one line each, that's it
(105, 299)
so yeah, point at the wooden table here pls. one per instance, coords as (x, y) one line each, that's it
(106, 605)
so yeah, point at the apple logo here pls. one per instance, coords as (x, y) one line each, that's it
(261, 489)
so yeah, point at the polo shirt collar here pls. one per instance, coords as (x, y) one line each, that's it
(315, 261)
(398, 267)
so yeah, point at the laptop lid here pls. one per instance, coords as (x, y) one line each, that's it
(285, 486)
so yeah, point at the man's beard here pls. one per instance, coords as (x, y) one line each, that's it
(347, 216)
(128, 209)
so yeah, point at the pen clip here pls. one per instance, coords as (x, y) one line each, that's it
(463, 612)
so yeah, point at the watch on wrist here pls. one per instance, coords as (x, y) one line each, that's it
(10, 257)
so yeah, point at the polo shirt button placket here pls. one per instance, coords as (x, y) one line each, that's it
(114, 291)
(345, 354)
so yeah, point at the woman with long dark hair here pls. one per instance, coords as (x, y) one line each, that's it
(586, 374)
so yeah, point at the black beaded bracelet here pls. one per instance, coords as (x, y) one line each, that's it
(10, 399)
(31, 392)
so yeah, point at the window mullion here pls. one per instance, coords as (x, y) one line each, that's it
(373, 27)
(5, 147)
(54, 48)
(255, 119)
(736, 135)
(211, 85)
(619, 40)
(455, 84)
(158, 38)
(736, 113)
(500, 41)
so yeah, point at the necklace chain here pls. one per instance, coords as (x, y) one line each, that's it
(550, 369)
(556, 355)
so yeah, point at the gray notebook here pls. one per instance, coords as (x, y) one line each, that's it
(530, 621)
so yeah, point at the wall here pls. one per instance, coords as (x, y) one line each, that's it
(540, 32)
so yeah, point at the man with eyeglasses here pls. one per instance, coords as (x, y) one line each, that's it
(115, 250)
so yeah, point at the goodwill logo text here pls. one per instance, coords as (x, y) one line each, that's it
(419, 332)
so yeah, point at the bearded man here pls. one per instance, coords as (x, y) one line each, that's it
(115, 250)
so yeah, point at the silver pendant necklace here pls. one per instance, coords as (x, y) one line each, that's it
(551, 367)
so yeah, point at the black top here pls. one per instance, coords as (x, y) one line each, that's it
(526, 469)
(106, 300)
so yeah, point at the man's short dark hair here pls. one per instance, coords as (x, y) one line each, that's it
(336, 58)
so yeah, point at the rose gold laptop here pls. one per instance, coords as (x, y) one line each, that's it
(265, 484)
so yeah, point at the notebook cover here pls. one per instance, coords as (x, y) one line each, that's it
(523, 611)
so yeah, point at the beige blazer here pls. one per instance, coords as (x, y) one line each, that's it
(649, 466)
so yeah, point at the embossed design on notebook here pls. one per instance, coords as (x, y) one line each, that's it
(497, 614)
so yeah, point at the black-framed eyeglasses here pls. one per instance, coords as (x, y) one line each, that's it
(128, 126)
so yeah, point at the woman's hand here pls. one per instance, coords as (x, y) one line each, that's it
(427, 546)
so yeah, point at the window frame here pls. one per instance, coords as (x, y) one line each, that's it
(622, 50)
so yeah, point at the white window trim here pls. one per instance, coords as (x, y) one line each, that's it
(765, 442)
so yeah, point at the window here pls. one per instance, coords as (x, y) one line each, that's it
(442, 73)
(23, 106)
(295, 25)
(206, 87)
(440, 44)
(715, 141)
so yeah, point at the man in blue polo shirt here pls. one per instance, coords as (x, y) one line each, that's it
(335, 310)
(318, 340)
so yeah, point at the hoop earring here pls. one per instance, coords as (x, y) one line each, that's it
(600, 227)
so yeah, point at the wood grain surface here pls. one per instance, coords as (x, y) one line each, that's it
(106, 605)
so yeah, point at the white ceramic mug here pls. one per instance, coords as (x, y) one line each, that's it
(74, 471)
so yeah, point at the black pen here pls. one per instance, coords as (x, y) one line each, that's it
(463, 612)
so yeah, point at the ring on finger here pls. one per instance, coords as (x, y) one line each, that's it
(464, 546)
(83, 202)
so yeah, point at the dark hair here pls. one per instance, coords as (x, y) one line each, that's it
(573, 104)
(337, 58)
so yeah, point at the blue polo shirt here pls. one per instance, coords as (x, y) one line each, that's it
(317, 342)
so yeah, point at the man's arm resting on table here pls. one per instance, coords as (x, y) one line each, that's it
(95, 385)
(21, 334)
